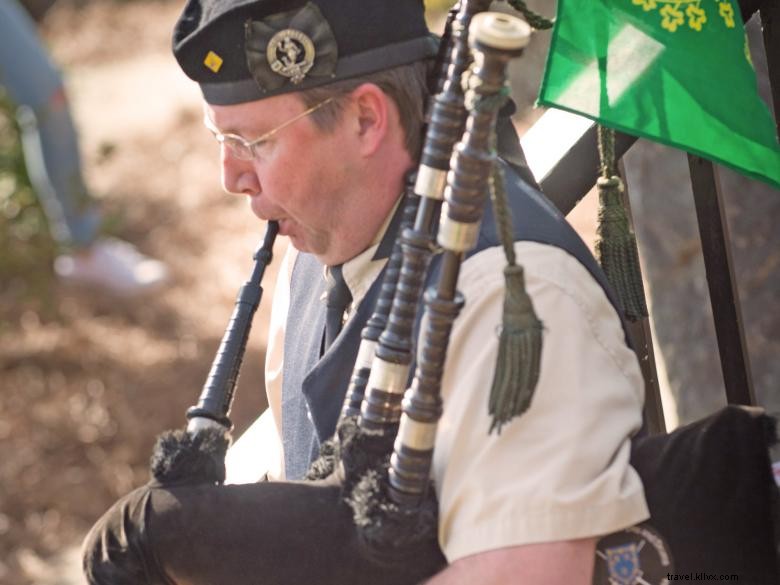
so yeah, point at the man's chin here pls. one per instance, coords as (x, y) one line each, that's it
(307, 245)
(299, 243)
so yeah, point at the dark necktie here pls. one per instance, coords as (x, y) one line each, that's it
(337, 299)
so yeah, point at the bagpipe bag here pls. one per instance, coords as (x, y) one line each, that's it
(709, 488)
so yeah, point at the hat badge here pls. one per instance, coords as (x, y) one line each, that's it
(291, 53)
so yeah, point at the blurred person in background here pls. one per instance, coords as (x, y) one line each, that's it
(51, 153)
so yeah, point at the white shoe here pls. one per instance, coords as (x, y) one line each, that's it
(113, 265)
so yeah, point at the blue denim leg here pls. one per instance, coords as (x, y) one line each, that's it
(48, 134)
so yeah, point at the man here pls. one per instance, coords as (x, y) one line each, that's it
(331, 173)
(320, 138)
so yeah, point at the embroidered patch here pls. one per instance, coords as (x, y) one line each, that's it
(290, 48)
(635, 556)
(213, 61)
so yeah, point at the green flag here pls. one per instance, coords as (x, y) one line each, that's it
(674, 71)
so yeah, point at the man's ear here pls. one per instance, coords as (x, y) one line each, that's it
(372, 109)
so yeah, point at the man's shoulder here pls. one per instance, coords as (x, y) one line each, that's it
(544, 265)
(532, 215)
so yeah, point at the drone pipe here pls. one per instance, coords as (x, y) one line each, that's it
(381, 408)
(495, 39)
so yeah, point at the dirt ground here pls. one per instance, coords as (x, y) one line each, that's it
(87, 380)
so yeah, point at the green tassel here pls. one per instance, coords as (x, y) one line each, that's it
(616, 248)
(617, 251)
(519, 353)
(520, 342)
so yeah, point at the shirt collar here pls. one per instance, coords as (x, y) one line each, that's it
(361, 271)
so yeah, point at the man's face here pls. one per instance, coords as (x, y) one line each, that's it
(300, 176)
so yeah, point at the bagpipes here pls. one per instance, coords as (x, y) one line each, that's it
(367, 506)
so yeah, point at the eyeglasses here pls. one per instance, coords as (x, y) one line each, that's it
(244, 149)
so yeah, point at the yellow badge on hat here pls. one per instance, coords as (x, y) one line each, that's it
(213, 61)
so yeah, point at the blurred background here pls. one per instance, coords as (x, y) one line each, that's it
(88, 379)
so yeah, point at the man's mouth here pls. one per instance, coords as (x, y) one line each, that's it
(285, 226)
(285, 223)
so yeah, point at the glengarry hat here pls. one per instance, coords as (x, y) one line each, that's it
(246, 50)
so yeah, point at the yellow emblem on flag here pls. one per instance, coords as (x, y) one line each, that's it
(679, 13)
(213, 61)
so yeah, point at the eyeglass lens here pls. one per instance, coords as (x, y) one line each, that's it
(240, 148)
(237, 147)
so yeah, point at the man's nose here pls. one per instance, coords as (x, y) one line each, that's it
(238, 176)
